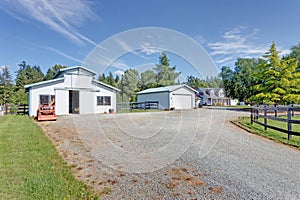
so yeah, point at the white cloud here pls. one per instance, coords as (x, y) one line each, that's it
(147, 49)
(238, 42)
(118, 73)
(63, 17)
(226, 59)
(284, 52)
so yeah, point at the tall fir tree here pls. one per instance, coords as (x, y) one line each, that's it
(165, 75)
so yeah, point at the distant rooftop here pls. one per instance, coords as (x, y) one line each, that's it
(164, 89)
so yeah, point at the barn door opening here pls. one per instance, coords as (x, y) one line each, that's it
(74, 101)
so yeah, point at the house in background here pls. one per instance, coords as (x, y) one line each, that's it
(213, 96)
(175, 96)
(74, 90)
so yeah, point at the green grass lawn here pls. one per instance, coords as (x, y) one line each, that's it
(272, 134)
(30, 167)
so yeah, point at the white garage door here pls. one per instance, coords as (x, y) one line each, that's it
(182, 101)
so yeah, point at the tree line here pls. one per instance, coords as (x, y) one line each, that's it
(270, 79)
(12, 92)
(161, 75)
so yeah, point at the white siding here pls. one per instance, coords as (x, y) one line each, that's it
(182, 101)
(36, 91)
(88, 92)
(62, 102)
(104, 91)
(80, 81)
(86, 102)
(183, 98)
(161, 97)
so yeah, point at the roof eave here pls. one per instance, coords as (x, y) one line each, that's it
(106, 85)
(43, 82)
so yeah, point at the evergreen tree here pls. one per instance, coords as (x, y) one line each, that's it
(52, 71)
(278, 80)
(102, 78)
(28, 75)
(111, 80)
(165, 75)
(129, 85)
(195, 82)
(6, 86)
(117, 80)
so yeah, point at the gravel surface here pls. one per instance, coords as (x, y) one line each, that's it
(195, 154)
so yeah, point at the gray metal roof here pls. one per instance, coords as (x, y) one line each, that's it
(165, 89)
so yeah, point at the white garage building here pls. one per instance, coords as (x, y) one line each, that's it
(74, 90)
(175, 96)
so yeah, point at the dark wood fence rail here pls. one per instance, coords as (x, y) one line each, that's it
(21, 109)
(273, 113)
(144, 105)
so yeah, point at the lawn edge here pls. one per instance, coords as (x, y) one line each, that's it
(241, 126)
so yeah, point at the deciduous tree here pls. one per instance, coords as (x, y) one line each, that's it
(148, 80)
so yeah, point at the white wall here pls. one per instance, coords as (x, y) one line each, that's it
(104, 91)
(36, 91)
(86, 102)
(88, 93)
(161, 97)
(62, 102)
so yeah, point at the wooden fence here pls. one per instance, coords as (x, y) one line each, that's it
(144, 105)
(277, 113)
(21, 109)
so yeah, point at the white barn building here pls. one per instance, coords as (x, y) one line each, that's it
(170, 97)
(74, 90)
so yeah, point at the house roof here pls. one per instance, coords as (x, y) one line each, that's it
(164, 89)
(206, 92)
(44, 82)
(106, 85)
(64, 70)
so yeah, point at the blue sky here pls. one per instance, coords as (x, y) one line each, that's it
(65, 32)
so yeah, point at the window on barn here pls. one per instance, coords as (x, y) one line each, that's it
(103, 100)
(47, 99)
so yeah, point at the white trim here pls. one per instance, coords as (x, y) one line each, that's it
(44, 82)
(74, 67)
(106, 85)
(170, 88)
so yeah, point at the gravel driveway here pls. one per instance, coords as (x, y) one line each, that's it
(193, 154)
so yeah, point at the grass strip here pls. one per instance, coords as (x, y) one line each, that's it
(269, 133)
(30, 166)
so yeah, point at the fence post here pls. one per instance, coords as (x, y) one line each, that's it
(265, 117)
(251, 116)
(292, 106)
(289, 125)
(275, 107)
(6, 109)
